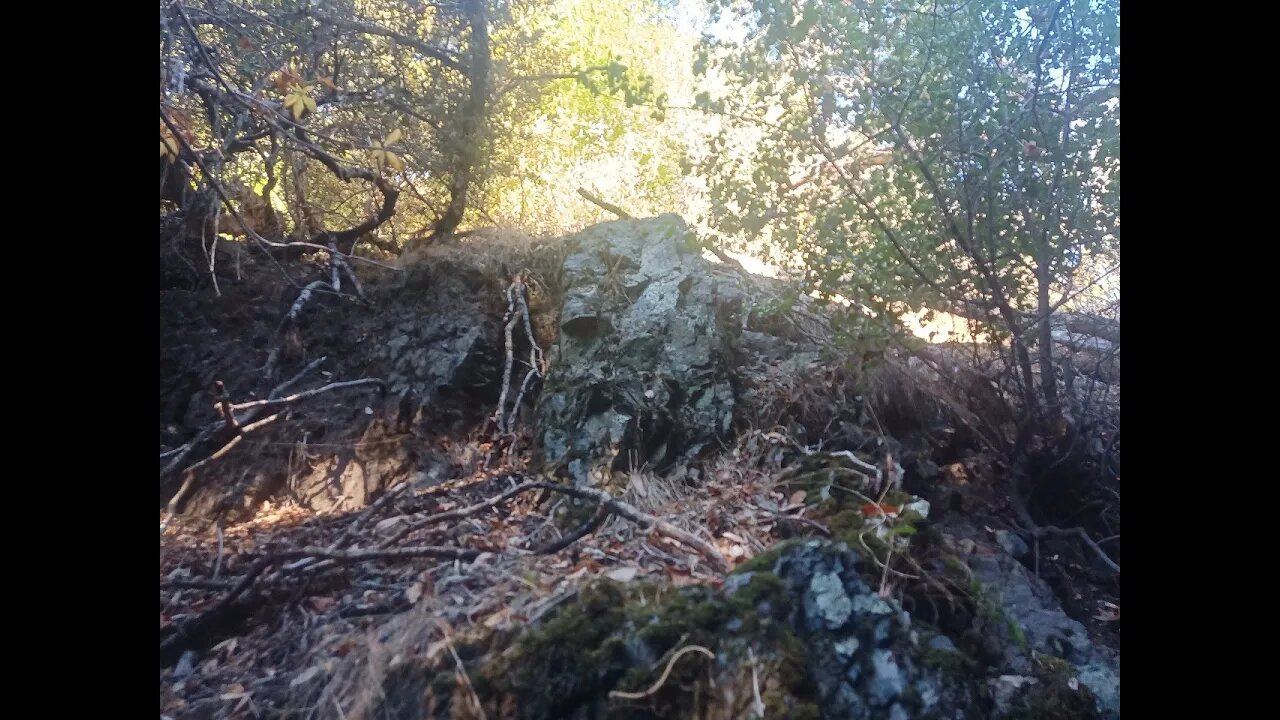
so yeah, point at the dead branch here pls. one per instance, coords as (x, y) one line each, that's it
(184, 633)
(644, 519)
(192, 476)
(604, 205)
(460, 513)
(1037, 531)
(273, 358)
(610, 503)
(590, 526)
(273, 402)
(224, 406)
(517, 309)
(444, 57)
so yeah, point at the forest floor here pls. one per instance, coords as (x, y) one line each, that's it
(259, 608)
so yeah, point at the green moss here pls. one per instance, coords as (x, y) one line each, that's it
(762, 587)
(990, 609)
(618, 637)
(1052, 697)
(1050, 666)
(766, 560)
(949, 662)
(570, 657)
(795, 659)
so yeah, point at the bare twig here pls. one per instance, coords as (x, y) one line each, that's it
(183, 633)
(460, 513)
(462, 670)
(273, 402)
(634, 514)
(192, 476)
(662, 680)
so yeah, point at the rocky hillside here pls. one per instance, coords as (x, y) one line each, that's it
(602, 476)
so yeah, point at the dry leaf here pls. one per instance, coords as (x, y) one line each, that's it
(322, 604)
(305, 676)
(390, 525)
(300, 101)
(622, 574)
(414, 593)
(797, 497)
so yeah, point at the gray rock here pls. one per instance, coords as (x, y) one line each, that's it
(1012, 543)
(1029, 603)
(644, 372)
(827, 600)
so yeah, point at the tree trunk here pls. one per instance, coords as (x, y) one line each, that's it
(472, 120)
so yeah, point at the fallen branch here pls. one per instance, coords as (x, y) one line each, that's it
(1040, 531)
(208, 432)
(604, 205)
(1037, 531)
(193, 627)
(273, 358)
(644, 519)
(460, 513)
(192, 477)
(590, 526)
(608, 502)
(273, 402)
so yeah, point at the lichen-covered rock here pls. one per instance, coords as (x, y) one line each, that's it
(796, 634)
(1032, 625)
(863, 655)
(643, 371)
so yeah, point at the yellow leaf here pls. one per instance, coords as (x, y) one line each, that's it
(394, 161)
(328, 82)
(393, 137)
(164, 150)
(299, 102)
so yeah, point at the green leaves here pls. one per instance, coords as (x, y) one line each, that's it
(901, 143)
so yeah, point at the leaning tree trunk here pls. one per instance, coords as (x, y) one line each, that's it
(472, 120)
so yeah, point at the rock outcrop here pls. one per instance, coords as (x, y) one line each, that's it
(643, 374)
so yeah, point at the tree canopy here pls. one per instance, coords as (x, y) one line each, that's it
(902, 157)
